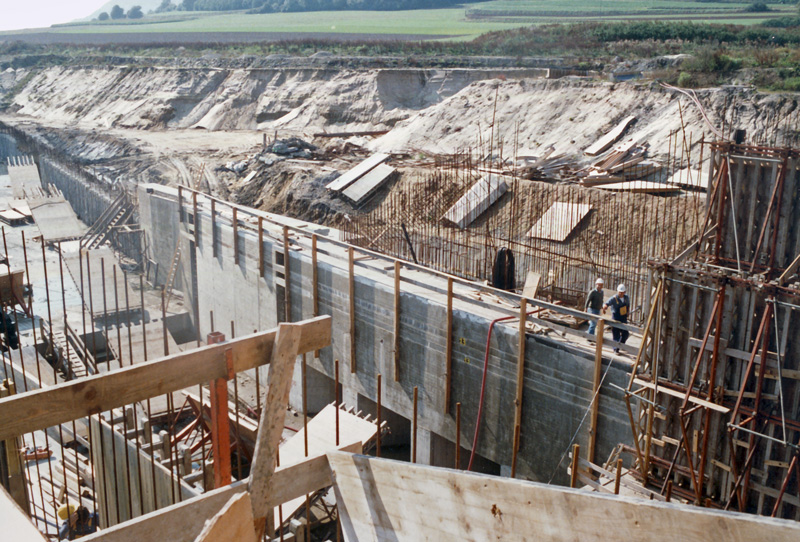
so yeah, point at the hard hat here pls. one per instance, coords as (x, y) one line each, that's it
(621, 288)
(599, 281)
(66, 510)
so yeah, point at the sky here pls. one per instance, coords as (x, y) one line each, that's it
(42, 13)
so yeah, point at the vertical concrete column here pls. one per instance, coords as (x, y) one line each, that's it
(424, 446)
(349, 396)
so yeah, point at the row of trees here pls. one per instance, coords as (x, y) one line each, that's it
(118, 13)
(272, 6)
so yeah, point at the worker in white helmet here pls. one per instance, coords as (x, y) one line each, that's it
(620, 307)
(594, 302)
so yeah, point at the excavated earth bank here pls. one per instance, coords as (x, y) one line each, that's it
(158, 124)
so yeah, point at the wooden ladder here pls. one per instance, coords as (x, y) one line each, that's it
(75, 365)
(118, 218)
(176, 255)
(173, 271)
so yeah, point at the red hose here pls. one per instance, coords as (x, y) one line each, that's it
(483, 383)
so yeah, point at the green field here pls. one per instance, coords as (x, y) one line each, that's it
(449, 22)
(467, 21)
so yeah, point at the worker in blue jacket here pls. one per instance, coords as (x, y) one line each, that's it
(620, 307)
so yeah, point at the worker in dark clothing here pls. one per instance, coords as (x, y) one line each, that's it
(594, 302)
(620, 307)
(9, 332)
(78, 522)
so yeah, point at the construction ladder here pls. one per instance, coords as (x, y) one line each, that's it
(176, 255)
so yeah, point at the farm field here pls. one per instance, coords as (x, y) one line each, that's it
(467, 21)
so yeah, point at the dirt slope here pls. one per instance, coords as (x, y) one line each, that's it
(572, 114)
(237, 99)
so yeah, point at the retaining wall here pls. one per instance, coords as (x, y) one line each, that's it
(558, 377)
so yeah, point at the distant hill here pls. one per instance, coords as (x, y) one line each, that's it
(147, 5)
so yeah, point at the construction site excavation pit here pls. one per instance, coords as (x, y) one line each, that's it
(299, 304)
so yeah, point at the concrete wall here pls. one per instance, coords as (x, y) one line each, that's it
(558, 377)
(158, 218)
(87, 201)
(8, 147)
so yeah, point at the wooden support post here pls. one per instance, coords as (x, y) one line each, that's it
(396, 321)
(617, 476)
(196, 221)
(287, 288)
(448, 368)
(314, 281)
(516, 450)
(213, 228)
(270, 427)
(261, 246)
(15, 469)
(180, 203)
(220, 427)
(235, 237)
(598, 368)
(523, 309)
(336, 397)
(414, 429)
(668, 495)
(458, 435)
(378, 434)
(573, 473)
(352, 311)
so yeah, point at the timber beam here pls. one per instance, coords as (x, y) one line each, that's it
(59, 404)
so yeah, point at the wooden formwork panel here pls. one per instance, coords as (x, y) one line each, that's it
(689, 305)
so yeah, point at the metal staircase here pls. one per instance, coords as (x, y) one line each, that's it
(117, 214)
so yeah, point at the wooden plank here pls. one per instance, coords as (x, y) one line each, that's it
(532, 281)
(448, 368)
(321, 432)
(287, 283)
(16, 524)
(352, 175)
(182, 522)
(609, 138)
(396, 337)
(270, 426)
(598, 367)
(380, 499)
(15, 474)
(43, 408)
(220, 431)
(260, 246)
(25, 181)
(234, 523)
(476, 200)
(56, 219)
(787, 274)
(235, 223)
(559, 220)
(314, 282)
(521, 332)
(681, 395)
(213, 228)
(361, 190)
(351, 313)
(114, 458)
(641, 187)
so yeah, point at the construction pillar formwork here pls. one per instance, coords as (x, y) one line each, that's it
(716, 379)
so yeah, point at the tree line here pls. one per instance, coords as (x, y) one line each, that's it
(118, 13)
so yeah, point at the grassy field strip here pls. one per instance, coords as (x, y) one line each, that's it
(438, 21)
(448, 22)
